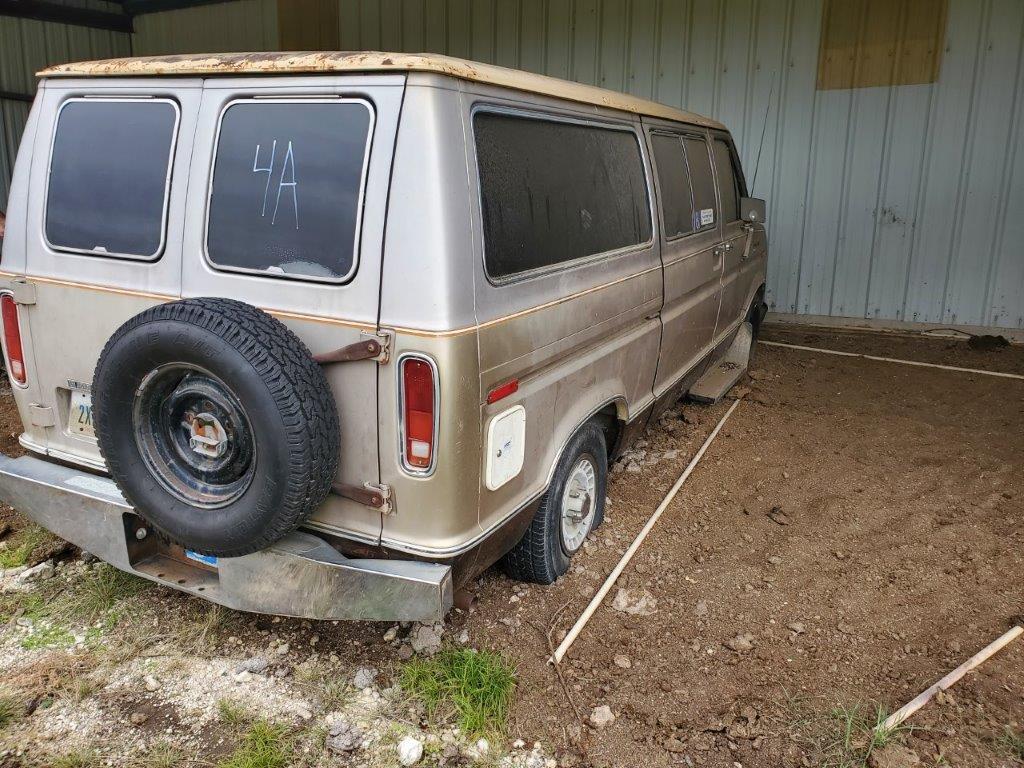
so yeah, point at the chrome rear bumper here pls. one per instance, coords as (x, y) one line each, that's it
(301, 575)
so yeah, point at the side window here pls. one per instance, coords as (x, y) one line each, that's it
(286, 194)
(699, 161)
(109, 177)
(674, 182)
(727, 183)
(557, 191)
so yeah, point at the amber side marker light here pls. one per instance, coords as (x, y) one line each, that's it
(12, 338)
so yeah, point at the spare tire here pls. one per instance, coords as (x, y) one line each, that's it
(216, 424)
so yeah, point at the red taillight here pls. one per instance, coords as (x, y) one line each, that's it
(12, 338)
(418, 390)
(503, 391)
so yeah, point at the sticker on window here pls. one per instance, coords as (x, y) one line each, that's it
(707, 216)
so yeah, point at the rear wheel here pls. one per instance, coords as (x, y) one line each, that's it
(216, 424)
(570, 509)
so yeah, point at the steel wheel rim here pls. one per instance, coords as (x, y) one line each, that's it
(194, 436)
(579, 501)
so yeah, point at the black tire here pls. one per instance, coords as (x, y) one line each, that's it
(275, 439)
(541, 556)
(755, 316)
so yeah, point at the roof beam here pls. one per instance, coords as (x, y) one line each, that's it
(139, 7)
(16, 96)
(40, 10)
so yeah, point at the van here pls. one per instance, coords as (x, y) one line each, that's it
(327, 334)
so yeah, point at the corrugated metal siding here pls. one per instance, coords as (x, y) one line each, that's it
(249, 25)
(27, 46)
(903, 203)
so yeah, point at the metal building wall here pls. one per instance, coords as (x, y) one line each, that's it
(26, 46)
(245, 25)
(897, 203)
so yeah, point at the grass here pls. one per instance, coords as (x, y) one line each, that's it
(22, 544)
(161, 755)
(99, 590)
(79, 758)
(11, 709)
(91, 600)
(475, 688)
(856, 733)
(265, 745)
(1013, 742)
(233, 714)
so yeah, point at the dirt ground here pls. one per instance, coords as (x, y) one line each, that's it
(854, 533)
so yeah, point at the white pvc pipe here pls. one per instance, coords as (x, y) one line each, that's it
(581, 622)
(893, 360)
(947, 682)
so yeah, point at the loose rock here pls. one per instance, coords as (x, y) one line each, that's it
(410, 751)
(602, 716)
(635, 602)
(426, 638)
(256, 665)
(40, 572)
(344, 736)
(364, 677)
(622, 661)
(151, 683)
(741, 643)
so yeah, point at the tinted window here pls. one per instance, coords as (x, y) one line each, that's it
(109, 176)
(286, 189)
(703, 182)
(727, 185)
(553, 191)
(674, 182)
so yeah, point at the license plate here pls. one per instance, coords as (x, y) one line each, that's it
(206, 559)
(80, 417)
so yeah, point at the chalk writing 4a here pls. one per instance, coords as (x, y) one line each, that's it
(286, 180)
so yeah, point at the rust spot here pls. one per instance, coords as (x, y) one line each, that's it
(299, 62)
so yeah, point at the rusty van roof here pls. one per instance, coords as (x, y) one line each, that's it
(311, 62)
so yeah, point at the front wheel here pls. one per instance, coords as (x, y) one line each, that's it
(570, 509)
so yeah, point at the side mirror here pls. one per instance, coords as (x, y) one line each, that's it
(752, 210)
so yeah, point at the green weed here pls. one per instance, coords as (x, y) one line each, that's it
(22, 544)
(265, 745)
(1013, 742)
(474, 687)
(12, 709)
(233, 714)
(856, 732)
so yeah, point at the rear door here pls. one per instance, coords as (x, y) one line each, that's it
(736, 242)
(690, 250)
(286, 212)
(103, 239)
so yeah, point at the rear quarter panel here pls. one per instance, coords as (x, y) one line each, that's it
(578, 339)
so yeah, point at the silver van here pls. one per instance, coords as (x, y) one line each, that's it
(327, 334)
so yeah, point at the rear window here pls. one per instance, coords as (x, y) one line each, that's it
(109, 177)
(553, 192)
(287, 188)
(702, 181)
(674, 182)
